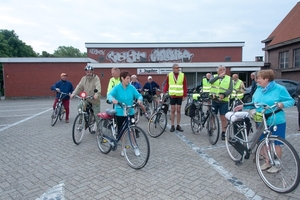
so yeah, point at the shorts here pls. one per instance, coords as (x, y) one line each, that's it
(174, 101)
(221, 107)
(279, 132)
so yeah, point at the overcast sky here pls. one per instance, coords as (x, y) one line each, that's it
(47, 24)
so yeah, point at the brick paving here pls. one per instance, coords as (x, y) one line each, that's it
(36, 156)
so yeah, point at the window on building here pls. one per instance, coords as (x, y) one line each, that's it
(297, 57)
(283, 60)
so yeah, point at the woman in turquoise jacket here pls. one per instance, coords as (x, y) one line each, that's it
(124, 93)
(269, 92)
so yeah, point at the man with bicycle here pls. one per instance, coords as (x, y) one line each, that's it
(151, 87)
(88, 84)
(65, 86)
(221, 88)
(138, 87)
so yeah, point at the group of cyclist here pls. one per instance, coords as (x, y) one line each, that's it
(221, 86)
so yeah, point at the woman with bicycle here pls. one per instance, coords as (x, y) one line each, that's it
(269, 92)
(124, 93)
(64, 86)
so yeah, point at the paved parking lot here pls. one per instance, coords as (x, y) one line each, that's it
(36, 156)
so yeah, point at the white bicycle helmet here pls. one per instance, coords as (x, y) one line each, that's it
(88, 67)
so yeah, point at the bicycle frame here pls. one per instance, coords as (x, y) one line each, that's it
(262, 129)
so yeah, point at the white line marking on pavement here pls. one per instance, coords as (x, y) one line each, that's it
(247, 192)
(24, 120)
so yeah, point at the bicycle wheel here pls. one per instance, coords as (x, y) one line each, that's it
(233, 145)
(137, 149)
(287, 165)
(137, 114)
(157, 124)
(92, 121)
(196, 123)
(55, 114)
(78, 129)
(62, 113)
(104, 127)
(147, 107)
(213, 128)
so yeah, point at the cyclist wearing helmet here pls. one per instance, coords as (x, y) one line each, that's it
(88, 84)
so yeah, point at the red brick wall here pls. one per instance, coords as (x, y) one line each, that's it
(29, 80)
(35, 79)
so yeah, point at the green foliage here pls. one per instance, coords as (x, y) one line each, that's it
(68, 52)
(12, 46)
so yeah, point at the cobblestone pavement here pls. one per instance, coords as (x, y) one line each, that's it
(36, 156)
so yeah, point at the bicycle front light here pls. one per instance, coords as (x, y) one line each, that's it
(132, 120)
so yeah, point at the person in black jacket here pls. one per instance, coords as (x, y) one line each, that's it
(151, 86)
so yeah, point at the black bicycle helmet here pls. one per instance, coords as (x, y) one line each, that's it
(89, 67)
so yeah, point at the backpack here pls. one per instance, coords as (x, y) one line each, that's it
(190, 110)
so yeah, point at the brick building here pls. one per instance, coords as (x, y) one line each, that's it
(282, 47)
(33, 77)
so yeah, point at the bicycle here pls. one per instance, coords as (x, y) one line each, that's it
(234, 101)
(209, 119)
(59, 110)
(85, 118)
(150, 102)
(158, 121)
(135, 143)
(239, 147)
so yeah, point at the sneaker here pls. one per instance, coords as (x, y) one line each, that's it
(67, 121)
(265, 166)
(137, 135)
(172, 128)
(273, 170)
(223, 135)
(137, 151)
(178, 128)
(123, 152)
(146, 116)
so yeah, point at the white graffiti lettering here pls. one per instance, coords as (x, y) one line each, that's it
(96, 51)
(130, 56)
(160, 55)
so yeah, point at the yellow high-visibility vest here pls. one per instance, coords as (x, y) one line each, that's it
(205, 85)
(236, 86)
(220, 86)
(176, 87)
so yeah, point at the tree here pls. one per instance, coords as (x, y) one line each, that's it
(68, 52)
(12, 46)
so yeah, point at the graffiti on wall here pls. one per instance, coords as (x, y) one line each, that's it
(130, 56)
(167, 55)
(96, 51)
(156, 55)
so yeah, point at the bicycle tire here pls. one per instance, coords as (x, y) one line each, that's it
(213, 128)
(196, 123)
(130, 142)
(137, 114)
(92, 121)
(287, 179)
(78, 129)
(103, 127)
(55, 114)
(231, 138)
(157, 124)
(147, 107)
(62, 113)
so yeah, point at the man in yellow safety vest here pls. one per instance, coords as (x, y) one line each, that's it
(176, 84)
(221, 88)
